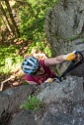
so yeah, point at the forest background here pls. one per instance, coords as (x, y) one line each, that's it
(21, 30)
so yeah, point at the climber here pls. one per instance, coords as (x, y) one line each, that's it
(38, 71)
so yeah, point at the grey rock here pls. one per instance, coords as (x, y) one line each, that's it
(67, 89)
(24, 118)
(64, 104)
(11, 99)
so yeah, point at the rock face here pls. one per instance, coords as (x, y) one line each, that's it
(64, 104)
(64, 22)
(67, 17)
(65, 90)
(10, 101)
(64, 28)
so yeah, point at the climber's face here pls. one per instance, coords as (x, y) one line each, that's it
(39, 72)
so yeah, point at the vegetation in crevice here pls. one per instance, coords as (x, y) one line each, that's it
(32, 104)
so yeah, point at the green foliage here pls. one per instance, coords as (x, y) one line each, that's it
(32, 17)
(43, 46)
(33, 103)
(25, 82)
(9, 60)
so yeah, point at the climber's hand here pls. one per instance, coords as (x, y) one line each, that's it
(72, 56)
(50, 80)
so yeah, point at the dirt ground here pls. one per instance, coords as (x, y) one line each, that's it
(12, 81)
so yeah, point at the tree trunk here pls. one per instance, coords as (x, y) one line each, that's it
(12, 18)
(6, 20)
